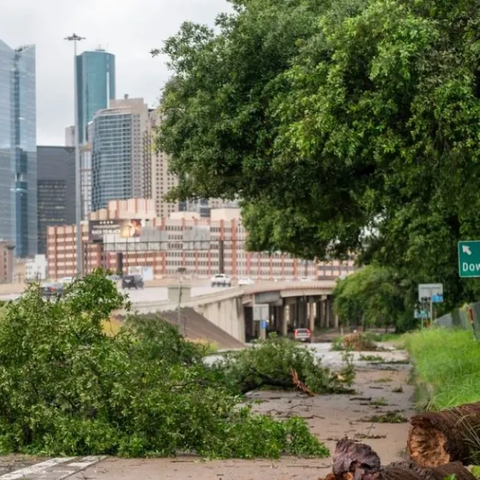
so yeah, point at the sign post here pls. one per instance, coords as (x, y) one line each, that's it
(469, 259)
(431, 293)
(261, 313)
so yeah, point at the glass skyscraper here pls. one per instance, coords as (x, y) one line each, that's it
(96, 87)
(18, 149)
(121, 157)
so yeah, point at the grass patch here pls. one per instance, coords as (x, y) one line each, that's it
(447, 364)
(397, 339)
(379, 402)
(370, 358)
(396, 362)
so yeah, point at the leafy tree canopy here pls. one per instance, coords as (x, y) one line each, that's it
(373, 296)
(347, 126)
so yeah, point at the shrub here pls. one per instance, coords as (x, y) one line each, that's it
(67, 388)
(358, 342)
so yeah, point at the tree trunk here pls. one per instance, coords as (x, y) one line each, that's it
(436, 438)
(356, 461)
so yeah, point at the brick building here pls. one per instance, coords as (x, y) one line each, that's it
(185, 240)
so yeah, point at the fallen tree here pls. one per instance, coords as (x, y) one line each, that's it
(280, 363)
(436, 438)
(68, 388)
(357, 461)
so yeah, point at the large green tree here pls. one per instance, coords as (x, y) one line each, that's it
(373, 296)
(348, 126)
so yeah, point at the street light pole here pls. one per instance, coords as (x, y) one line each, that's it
(78, 180)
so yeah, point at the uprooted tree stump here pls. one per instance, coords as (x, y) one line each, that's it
(356, 461)
(436, 438)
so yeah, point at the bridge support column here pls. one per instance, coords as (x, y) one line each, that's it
(294, 309)
(328, 319)
(283, 320)
(303, 314)
(311, 316)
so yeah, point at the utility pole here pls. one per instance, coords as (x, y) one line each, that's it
(78, 181)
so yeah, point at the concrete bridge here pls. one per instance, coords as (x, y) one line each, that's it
(291, 305)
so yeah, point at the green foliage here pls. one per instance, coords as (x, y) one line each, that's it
(476, 471)
(379, 402)
(345, 127)
(389, 417)
(271, 362)
(67, 388)
(372, 296)
(446, 362)
(370, 358)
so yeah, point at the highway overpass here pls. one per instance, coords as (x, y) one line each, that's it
(291, 305)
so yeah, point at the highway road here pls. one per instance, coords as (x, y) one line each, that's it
(149, 294)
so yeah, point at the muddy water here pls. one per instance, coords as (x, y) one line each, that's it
(330, 417)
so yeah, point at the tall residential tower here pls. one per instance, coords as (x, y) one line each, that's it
(121, 157)
(18, 149)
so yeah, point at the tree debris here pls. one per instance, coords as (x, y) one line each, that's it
(436, 438)
(357, 461)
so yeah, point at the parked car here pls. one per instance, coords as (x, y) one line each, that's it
(114, 278)
(132, 281)
(245, 281)
(302, 335)
(221, 280)
(66, 280)
(50, 290)
(307, 279)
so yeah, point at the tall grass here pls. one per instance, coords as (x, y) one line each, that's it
(448, 362)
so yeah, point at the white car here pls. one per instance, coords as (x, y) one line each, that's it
(245, 282)
(221, 280)
(66, 280)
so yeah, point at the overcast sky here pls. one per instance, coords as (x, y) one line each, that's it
(127, 28)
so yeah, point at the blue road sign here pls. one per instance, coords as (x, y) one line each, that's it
(264, 325)
(437, 298)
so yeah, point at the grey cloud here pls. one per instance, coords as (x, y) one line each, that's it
(127, 28)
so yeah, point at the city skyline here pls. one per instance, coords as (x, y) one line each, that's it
(138, 74)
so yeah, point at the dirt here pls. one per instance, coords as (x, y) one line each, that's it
(331, 417)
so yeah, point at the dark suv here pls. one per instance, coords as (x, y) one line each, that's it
(132, 281)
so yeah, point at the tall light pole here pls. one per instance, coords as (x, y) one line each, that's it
(78, 180)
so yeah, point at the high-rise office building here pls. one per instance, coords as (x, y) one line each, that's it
(56, 190)
(86, 177)
(162, 180)
(18, 149)
(70, 136)
(121, 159)
(96, 87)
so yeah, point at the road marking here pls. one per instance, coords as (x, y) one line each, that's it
(54, 469)
(38, 468)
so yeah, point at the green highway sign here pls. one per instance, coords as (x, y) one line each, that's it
(469, 259)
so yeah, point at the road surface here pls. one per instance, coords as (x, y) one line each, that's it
(150, 294)
(331, 417)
